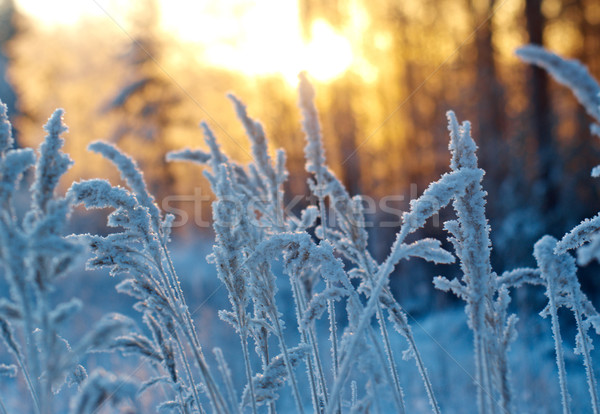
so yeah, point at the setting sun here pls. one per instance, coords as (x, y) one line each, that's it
(260, 38)
(328, 54)
(256, 38)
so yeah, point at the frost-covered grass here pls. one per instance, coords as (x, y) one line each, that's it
(310, 323)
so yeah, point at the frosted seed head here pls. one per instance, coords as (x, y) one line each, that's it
(6, 138)
(196, 156)
(461, 145)
(570, 73)
(52, 163)
(313, 151)
(579, 235)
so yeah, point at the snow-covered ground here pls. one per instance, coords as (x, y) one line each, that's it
(442, 336)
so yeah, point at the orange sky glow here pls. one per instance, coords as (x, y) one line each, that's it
(249, 36)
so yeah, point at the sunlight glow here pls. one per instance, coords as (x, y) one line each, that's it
(253, 37)
(328, 54)
(64, 12)
(259, 38)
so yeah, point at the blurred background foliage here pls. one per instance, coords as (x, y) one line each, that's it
(143, 74)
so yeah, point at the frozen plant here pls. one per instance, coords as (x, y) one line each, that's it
(140, 251)
(350, 240)
(486, 300)
(570, 73)
(347, 356)
(248, 239)
(558, 268)
(34, 255)
(558, 271)
(238, 232)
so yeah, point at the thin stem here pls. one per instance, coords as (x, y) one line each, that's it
(319, 364)
(334, 340)
(479, 370)
(190, 332)
(272, 409)
(216, 396)
(365, 259)
(424, 375)
(188, 372)
(311, 377)
(353, 342)
(173, 274)
(382, 360)
(484, 393)
(385, 299)
(31, 351)
(488, 379)
(288, 365)
(587, 358)
(28, 381)
(48, 336)
(315, 351)
(330, 304)
(226, 374)
(243, 338)
(390, 356)
(560, 359)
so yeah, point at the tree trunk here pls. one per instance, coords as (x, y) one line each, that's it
(541, 111)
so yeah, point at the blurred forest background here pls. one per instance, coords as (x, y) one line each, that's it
(386, 71)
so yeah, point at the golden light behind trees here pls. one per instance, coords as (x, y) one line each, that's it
(386, 72)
